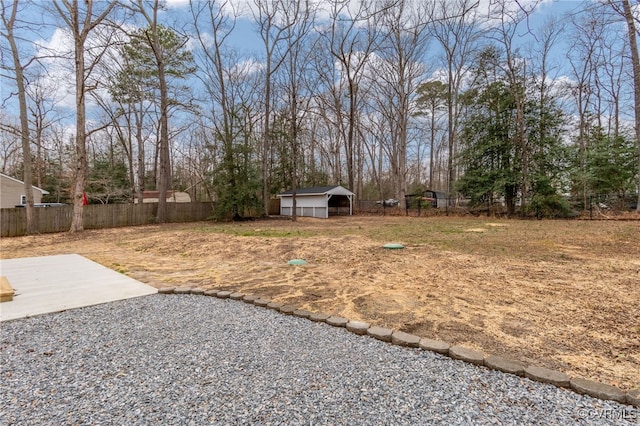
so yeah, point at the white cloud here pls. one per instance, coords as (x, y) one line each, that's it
(57, 59)
(492, 12)
(237, 8)
(176, 4)
(246, 68)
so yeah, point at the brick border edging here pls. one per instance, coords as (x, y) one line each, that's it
(536, 373)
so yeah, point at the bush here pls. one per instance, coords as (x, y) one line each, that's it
(549, 206)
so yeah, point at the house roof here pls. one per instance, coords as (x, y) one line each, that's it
(44, 192)
(318, 190)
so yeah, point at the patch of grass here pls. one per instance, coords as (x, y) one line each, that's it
(244, 231)
(514, 239)
(273, 233)
(119, 268)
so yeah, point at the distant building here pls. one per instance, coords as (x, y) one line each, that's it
(172, 197)
(437, 200)
(12, 193)
(318, 201)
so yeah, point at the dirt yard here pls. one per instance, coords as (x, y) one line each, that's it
(561, 294)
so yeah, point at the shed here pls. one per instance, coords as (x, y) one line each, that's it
(12, 192)
(435, 199)
(318, 201)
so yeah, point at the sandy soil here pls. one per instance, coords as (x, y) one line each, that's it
(561, 294)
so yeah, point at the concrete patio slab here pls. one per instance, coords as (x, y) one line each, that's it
(56, 283)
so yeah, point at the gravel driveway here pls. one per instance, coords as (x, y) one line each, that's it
(195, 360)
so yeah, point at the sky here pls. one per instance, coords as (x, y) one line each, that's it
(245, 40)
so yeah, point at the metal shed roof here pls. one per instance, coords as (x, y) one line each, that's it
(318, 190)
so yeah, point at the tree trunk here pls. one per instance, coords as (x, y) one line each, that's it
(432, 142)
(350, 133)
(450, 117)
(77, 224)
(32, 226)
(265, 138)
(141, 168)
(70, 13)
(635, 60)
(294, 148)
(164, 175)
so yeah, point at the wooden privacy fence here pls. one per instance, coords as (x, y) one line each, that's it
(13, 222)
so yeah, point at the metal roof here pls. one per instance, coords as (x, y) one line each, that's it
(318, 190)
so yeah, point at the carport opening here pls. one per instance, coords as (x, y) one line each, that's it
(339, 205)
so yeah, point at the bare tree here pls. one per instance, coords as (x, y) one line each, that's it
(372, 137)
(42, 110)
(150, 13)
(613, 63)
(583, 60)
(632, 31)
(515, 72)
(327, 129)
(59, 162)
(229, 84)
(9, 20)
(81, 22)
(127, 110)
(213, 26)
(432, 95)
(398, 73)
(272, 30)
(457, 31)
(549, 37)
(298, 20)
(199, 159)
(352, 39)
(10, 145)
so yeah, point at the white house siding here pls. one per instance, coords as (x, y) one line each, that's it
(309, 206)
